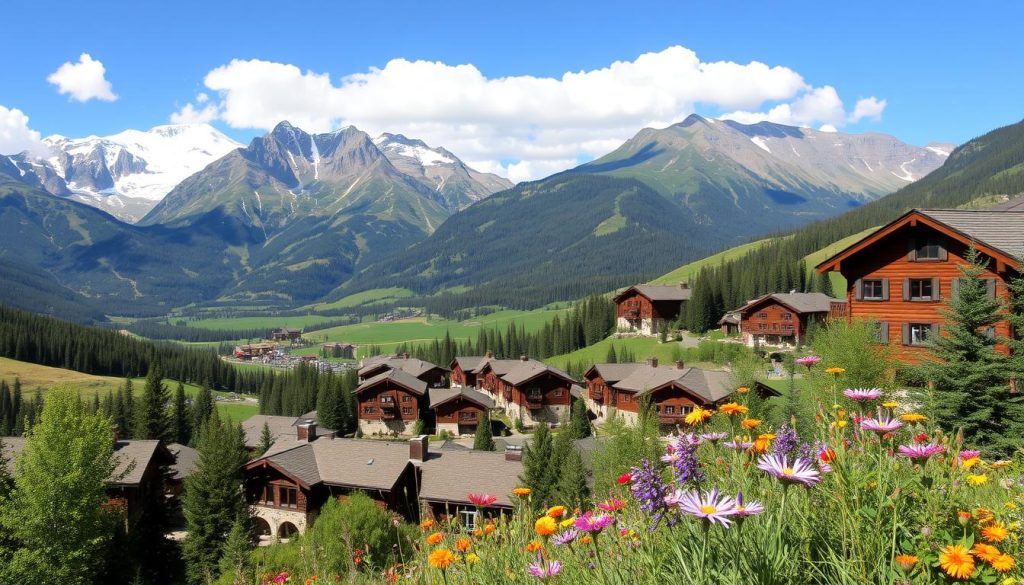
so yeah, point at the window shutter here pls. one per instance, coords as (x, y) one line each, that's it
(905, 329)
(858, 289)
(883, 332)
(912, 249)
(956, 287)
(906, 289)
(990, 285)
(885, 290)
(936, 291)
(943, 254)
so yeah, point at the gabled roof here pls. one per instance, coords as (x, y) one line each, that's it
(132, 458)
(612, 373)
(797, 302)
(732, 317)
(449, 476)
(470, 364)
(410, 383)
(363, 464)
(997, 233)
(412, 366)
(186, 460)
(516, 372)
(709, 386)
(439, 396)
(659, 292)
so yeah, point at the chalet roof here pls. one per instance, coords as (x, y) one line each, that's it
(348, 462)
(279, 426)
(660, 292)
(186, 460)
(470, 364)
(612, 373)
(528, 370)
(412, 366)
(399, 377)
(439, 396)
(450, 475)
(1011, 205)
(798, 302)
(732, 318)
(1003, 230)
(132, 458)
(710, 385)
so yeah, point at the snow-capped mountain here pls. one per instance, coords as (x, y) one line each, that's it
(125, 174)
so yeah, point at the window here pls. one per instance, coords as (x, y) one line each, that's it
(288, 497)
(929, 249)
(406, 398)
(882, 332)
(787, 316)
(468, 518)
(762, 326)
(369, 410)
(387, 399)
(670, 410)
(873, 290)
(534, 394)
(762, 315)
(921, 289)
(406, 410)
(623, 398)
(919, 333)
(557, 393)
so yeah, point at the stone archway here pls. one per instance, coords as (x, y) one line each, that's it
(286, 530)
(261, 527)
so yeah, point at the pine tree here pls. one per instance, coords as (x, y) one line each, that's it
(483, 440)
(266, 439)
(213, 497)
(571, 488)
(537, 468)
(180, 416)
(235, 556)
(971, 378)
(127, 424)
(202, 409)
(579, 422)
(152, 422)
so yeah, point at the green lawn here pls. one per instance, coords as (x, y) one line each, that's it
(815, 258)
(367, 297)
(688, 272)
(267, 323)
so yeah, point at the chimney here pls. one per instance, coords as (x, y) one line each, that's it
(652, 361)
(524, 358)
(513, 453)
(680, 365)
(419, 446)
(490, 355)
(306, 431)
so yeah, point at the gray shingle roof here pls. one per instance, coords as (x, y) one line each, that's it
(132, 458)
(399, 377)
(528, 370)
(450, 475)
(710, 385)
(1003, 230)
(346, 462)
(661, 292)
(612, 373)
(186, 460)
(470, 364)
(439, 396)
(412, 366)
(280, 426)
(799, 302)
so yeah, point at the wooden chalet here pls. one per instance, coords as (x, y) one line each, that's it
(673, 391)
(254, 350)
(279, 426)
(646, 308)
(286, 334)
(783, 319)
(288, 485)
(339, 350)
(390, 402)
(901, 275)
(435, 376)
(524, 388)
(458, 410)
(729, 324)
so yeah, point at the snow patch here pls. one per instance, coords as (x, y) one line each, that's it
(939, 151)
(760, 143)
(793, 148)
(425, 156)
(907, 175)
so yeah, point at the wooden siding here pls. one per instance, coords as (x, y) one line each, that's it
(772, 318)
(598, 390)
(453, 411)
(553, 390)
(407, 404)
(635, 306)
(461, 378)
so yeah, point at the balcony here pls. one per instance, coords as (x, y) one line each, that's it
(671, 419)
(388, 411)
(534, 401)
(468, 417)
(597, 394)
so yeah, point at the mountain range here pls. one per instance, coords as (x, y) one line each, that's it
(295, 217)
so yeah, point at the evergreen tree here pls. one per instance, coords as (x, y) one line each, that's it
(202, 409)
(127, 409)
(483, 440)
(266, 439)
(537, 469)
(152, 422)
(579, 422)
(610, 357)
(213, 497)
(180, 416)
(235, 556)
(571, 488)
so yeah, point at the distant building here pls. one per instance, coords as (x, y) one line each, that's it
(339, 350)
(646, 308)
(525, 388)
(286, 334)
(434, 375)
(900, 275)
(254, 350)
(459, 410)
(390, 402)
(783, 319)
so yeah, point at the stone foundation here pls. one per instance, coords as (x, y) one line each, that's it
(379, 427)
(276, 517)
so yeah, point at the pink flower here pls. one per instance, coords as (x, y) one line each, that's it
(862, 394)
(919, 452)
(969, 454)
(882, 426)
(594, 523)
(544, 572)
(807, 360)
(612, 505)
(481, 500)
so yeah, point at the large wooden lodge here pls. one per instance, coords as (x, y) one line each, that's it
(646, 308)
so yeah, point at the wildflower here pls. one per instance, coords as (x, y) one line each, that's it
(913, 418)
(921, 438)
(995, 532)
(489, 528)
(835, 371)
(956, 561)
(533, 546)
(985, 552)
(890, 404)
(882, 426)
(787, 441)
(435, 538)
(750, 423)
(566, 537)
(545, 572)
(481, 500)
(738, 445)
(999, 464)
(920, 453)
(478, 532)
(863, 394)
(763, 441)
(441, 558)
(711, 506)
(522, 492)
(594, 523)
(472, 558)
(970, 462)
(744, 509)
(826, 454)
(732, 409)
(714, 437)
(649, 490)
(984, 516)
(427, 524)
(697, 416)
(612, 505)
(463, 544)
(624, 479)
(587, 539)
(906, 562)
(969, 454)
(840, 424)
(801, 472)
(556, 511)
(808, 360)
(545, 526)
(977, 479)
(1003, 564)
(742, 390)
(567, 522)
(281, 578)
(963, 517)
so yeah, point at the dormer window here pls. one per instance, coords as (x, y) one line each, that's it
(928, 249)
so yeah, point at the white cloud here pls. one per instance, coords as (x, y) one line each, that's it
(16, 136)
(828, 128)
(523, 126)
(84, 80)
(870, 108)
(190, 114)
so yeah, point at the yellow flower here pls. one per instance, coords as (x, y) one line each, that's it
(533, 546)
(545, 526)
(732, 409)
(999, 464)
(742, 390)
(969, 463)
(762, 442)
(906, 562)
(556, 511)
(441, 558)
(977, 479)
(1008, 581)
(522, 492)
(1003, 564)
(985, 552)
(913, 417)
(463, 544)
(472, 558)
(568, 522)
(835, 371)
(1011, 506)
(995, 532)
(435, 538)
(750, 423)
(697, 416)
(956, 561)
(840, 424)
(890, 404)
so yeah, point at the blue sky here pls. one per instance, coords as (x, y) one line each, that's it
(945, 74)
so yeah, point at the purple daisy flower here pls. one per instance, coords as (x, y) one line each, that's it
(801, 471)
(738, 445)
(566, 537)
(881, 425)
(710, 506)
(920, 453)
(744, 509)
(863, 394)
(594, 523)
(714, 437)
(807, 360)
(544, 571)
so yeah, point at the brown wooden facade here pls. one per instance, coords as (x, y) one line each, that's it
(460, 411)
(773, 320)
(389, 401)
(635, 308)
(546, 389)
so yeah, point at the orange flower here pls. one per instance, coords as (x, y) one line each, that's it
(762, 442)
(750, 423)
(913, 417)
(732, 409)
(1003, 564)
(522, 492)
(985, 552)
(994, 532)
(489, 528)
(956, 561)
(545, 526)
(556, 511)
(984, 516)
(835, 372)
(964, 517)
(427, 524)
(586, 539)
(463, 544)
(435, 538)
(478, 532)
(906, 562)
(441, 558)
(533, 546)
(742, 390)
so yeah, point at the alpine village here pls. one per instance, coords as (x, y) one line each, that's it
(601, 315)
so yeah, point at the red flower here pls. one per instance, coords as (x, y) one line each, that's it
(922, 438)
(827, 455)
(482, 500)
(625, 478)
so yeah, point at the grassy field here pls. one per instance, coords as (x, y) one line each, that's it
(368, 297)
(688, 272)
(268, 322)
(642, 348)
(838, 282)
(34, 376)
